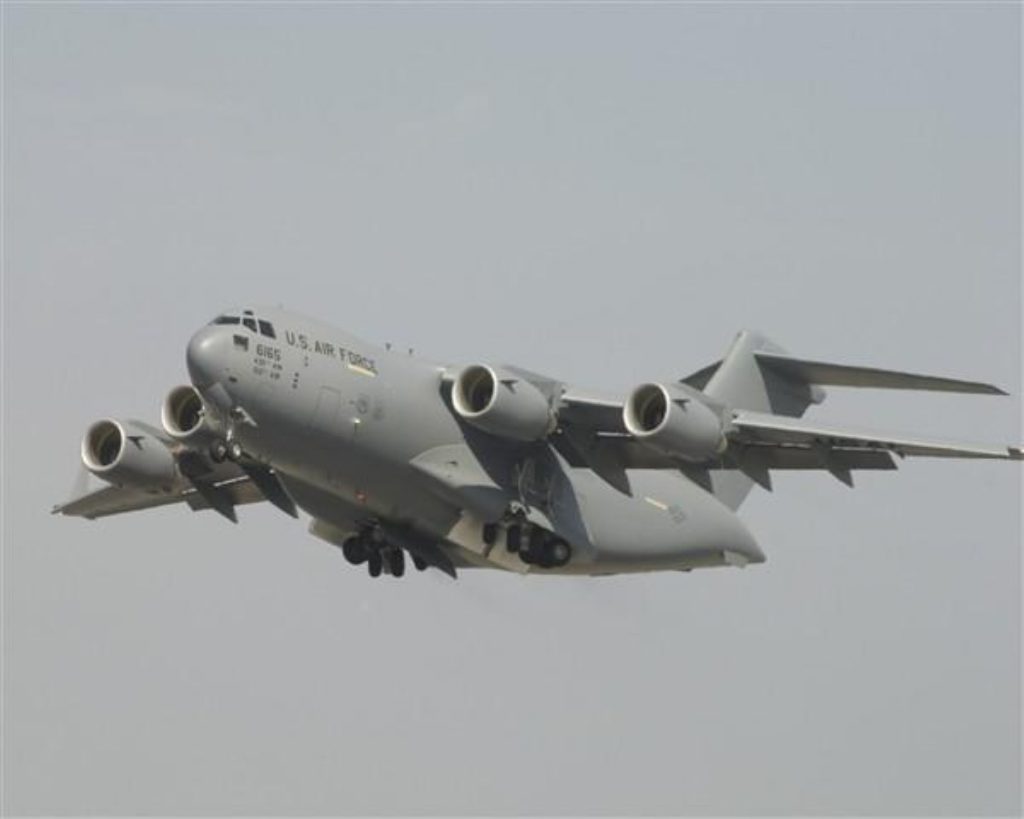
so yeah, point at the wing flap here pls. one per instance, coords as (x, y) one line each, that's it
(203, 485)
(758, 429)
(114, 500)
(593, 412)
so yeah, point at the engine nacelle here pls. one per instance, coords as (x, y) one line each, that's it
(674, 422)
(502, 404)
(185, 417)
(123, 453)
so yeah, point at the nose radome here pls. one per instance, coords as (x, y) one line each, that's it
(207, 355)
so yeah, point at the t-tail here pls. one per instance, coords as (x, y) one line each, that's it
(766, 389)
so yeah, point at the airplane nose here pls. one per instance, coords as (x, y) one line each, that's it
(207, 355)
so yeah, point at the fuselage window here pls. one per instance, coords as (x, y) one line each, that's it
(225, 320)
(267, 329)
(250, 323)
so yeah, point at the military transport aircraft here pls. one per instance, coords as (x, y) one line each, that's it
(485, 465)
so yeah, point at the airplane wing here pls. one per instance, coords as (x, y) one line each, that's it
(205, 485)
(754, 429)
(102, 499)
(592, 434)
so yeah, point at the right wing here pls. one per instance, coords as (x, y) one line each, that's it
(201, 484)
(98, 499)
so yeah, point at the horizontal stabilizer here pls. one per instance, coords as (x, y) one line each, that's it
(841, 375)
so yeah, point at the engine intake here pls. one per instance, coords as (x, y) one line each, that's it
(502, 404)
(122, 453)
(674, 423)
(184, 416)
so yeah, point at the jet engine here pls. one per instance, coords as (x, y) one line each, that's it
(502, 404)
(674, 422)
(124, 453)
(184, 416)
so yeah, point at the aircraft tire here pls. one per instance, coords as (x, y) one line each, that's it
(533, 550)
(354, 551)
(490, 533)
(556, 553)
(218, 452)
(396, 562)
(235, 451)
(419, 563)
(375, 564)
(513, 537)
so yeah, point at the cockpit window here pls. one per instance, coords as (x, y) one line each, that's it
(249, 322)
(225, 320)
(267, 329)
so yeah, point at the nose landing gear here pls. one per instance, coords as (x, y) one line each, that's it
(222, 450)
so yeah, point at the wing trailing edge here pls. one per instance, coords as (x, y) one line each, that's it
(754, 429)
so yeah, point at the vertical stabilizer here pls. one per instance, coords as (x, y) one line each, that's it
(742, 383)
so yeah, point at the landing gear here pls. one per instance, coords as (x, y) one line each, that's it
(375, 563)
(380, 557)
(396, 561)
(558, 552)
(221, 450)
(535, 545)
(514, 537)
(490, 533)
(354, 550)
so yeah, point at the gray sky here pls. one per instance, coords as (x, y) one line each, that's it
(605, 193)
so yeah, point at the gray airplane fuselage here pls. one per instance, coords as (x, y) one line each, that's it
(359, 434)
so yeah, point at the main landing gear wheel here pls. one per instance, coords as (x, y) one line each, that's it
(235, 451)
(375, 563)
(557, 552)
(218, 451)
(513, 537)
(419, 563)
(354, 551)
(490, 533)
(533, 550)
(396, 562)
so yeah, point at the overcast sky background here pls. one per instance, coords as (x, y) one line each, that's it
(604, 193)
